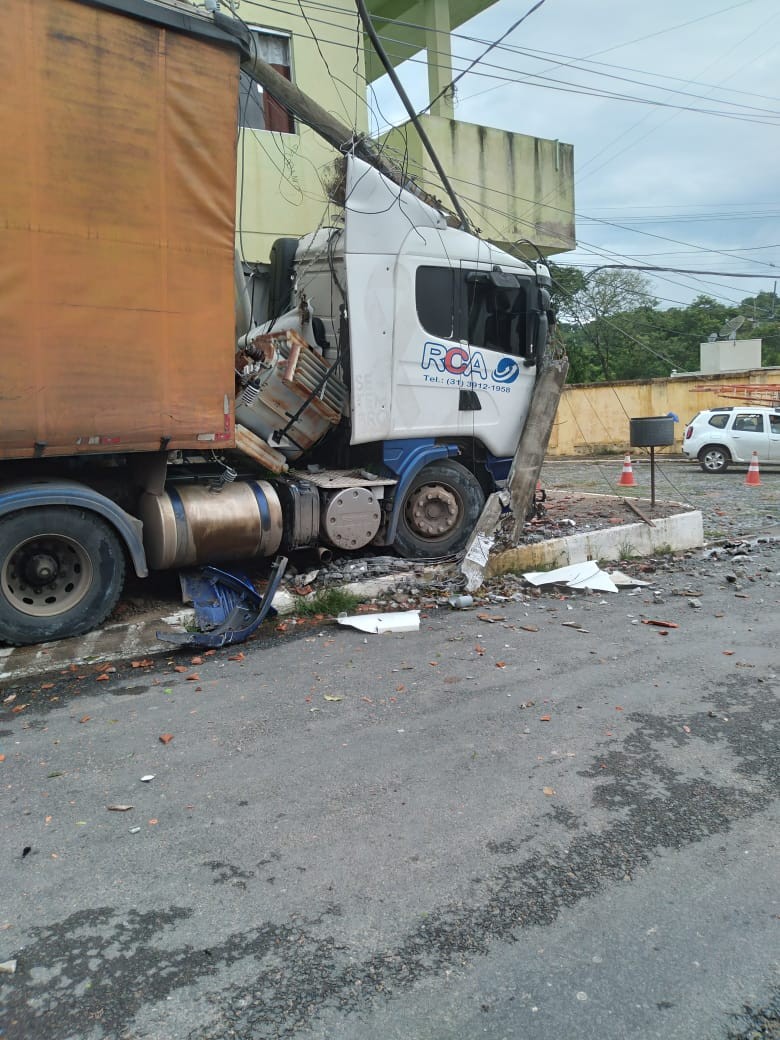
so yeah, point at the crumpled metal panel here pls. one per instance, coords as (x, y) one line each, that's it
(227, 606)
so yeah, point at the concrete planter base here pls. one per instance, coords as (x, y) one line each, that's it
(683, 530)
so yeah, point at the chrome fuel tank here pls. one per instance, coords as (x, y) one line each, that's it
(190, 524)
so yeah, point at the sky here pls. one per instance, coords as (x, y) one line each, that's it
(707, 179)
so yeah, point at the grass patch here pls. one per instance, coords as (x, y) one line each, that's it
(663, 550)
(626, 551)
(330, 602)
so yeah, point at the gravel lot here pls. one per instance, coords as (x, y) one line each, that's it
(730, 508)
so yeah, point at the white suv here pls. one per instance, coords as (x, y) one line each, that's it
(720, 436)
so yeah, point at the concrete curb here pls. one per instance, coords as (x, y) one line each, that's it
(137, 639)
(681, 531)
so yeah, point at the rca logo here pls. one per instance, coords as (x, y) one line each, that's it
(506, 371)
(458, 361)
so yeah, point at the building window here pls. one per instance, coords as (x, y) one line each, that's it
(257, 109)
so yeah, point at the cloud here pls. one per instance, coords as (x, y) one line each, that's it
(708, 181)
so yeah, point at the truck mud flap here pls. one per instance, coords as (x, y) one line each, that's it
(227, 607)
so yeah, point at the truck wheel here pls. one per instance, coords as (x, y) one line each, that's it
(61, 573)
(439, 511)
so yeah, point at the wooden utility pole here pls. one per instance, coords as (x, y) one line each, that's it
(523, 474)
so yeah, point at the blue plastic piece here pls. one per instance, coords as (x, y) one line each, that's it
(15, 497)
(406, 458)
(498, 466)
(227, 606)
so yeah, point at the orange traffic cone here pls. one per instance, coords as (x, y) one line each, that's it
(627, 476)
(753, 479)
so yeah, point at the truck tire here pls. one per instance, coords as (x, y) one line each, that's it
(439, 511)
(61, 574)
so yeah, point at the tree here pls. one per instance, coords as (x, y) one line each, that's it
(600, 347)
(614, 330)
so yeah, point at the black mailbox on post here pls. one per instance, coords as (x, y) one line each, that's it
(656, 431)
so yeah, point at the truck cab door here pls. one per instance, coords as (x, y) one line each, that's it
(458, 368)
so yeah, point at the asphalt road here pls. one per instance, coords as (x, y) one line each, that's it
(352, 836)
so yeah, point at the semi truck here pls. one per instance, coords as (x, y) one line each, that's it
(155, 413)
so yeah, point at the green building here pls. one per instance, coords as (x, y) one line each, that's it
(517, 189)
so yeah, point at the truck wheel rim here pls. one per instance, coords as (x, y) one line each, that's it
(46, 575)
(433, 511)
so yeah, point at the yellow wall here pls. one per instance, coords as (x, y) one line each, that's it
(279, 187)
(513, 186)
(595, 417)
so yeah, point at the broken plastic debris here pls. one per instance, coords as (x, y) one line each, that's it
(461, 602)
(399, 621)
(8, 967)
(480, 550)
(227, 606)
(625, 581)
(147, 778)
(119, 808)
(587, 575)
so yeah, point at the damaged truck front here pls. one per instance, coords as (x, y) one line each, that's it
(148, 419)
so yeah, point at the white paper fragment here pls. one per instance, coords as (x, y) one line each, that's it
(398, 621)
(600, 582)
(147, 778)
(587, 575)
(480, 550)
(625, 581)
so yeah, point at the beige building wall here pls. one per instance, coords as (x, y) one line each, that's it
(594, 417)
(280, 190)
(513, 186)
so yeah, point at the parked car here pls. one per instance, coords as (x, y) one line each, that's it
(719, 436)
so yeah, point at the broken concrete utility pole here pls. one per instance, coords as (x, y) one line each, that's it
(523, 475)
(306, 109)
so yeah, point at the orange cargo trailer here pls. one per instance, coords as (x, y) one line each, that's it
(150, 416)
(117, 216)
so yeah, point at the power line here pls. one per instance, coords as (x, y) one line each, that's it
(535, 54)
(566, 86)
(484, 54)
(682, 270)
